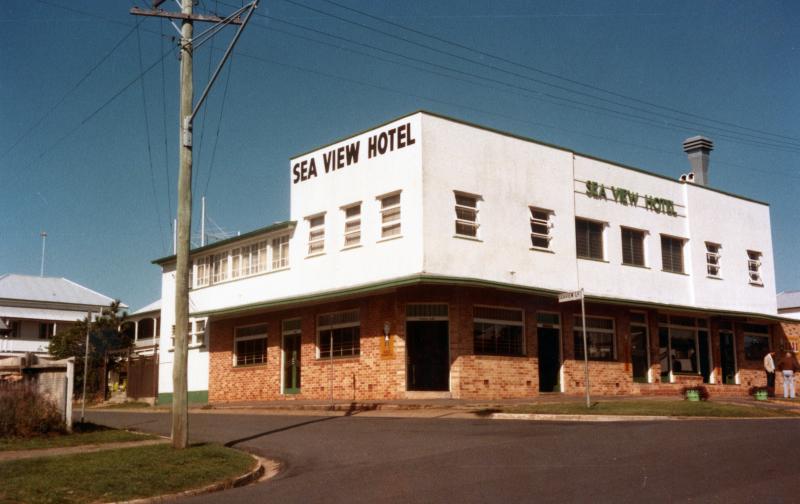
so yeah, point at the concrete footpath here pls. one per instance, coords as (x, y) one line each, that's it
(6, 456)
(450, 408)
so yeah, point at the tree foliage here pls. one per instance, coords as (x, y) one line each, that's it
(108, 332)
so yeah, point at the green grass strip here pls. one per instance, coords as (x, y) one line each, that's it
(652, 408)
(88, 434)
(116, 475)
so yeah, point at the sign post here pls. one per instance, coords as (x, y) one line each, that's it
(574, 296)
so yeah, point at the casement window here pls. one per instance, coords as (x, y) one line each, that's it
(498, 331)
(632, 247)
(672, 254)
(249, 259)
(219, 271)
(589, 239)
(46, 330)
(754, 267)
(466, 215)
(713, 254)
(339, 334)
(756, 341)
(541, 223)
(280, 252)
(679, 340)
(599, 338)
(352, 225)
(390, 215)
(203, 271)
(250, 345)
(316, 234)
(197, 332)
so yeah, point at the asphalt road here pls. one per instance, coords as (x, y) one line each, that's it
(352, 459)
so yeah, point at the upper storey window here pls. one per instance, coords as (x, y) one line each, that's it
(390, 215)
(672, 254)
(754, 267)
(541, 223)
(352, 225)
(589, 239)
(632, 247)
(712, 259)
(240, 261)
(467, 215)
(316, 234)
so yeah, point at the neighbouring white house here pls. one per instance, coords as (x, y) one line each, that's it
(146, 325)
(33, 309)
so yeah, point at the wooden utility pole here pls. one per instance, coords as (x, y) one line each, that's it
(180, 394)
(180, 402)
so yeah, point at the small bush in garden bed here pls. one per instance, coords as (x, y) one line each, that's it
(758, 392)
(701, 390)
(25, 413)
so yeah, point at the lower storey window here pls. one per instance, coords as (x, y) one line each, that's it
(250, 345)
(498, 331)
(339, 334)
(599, 338)
(341, 342)
(756, 341)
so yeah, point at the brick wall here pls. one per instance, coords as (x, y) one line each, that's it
(380, 371)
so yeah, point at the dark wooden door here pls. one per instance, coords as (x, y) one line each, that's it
(549, 359)
(428, 367)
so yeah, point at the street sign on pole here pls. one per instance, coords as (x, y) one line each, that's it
(575, 296)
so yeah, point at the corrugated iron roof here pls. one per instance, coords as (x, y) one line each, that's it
(19, 312)
(788, 299)
(154, 306)
(49, 289)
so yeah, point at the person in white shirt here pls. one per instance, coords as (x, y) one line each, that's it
(769, 367)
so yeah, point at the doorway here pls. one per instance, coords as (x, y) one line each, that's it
(705, 356)
(727, 357)
(427, 344)
(639, 360)
(549, 339)
(291, 356)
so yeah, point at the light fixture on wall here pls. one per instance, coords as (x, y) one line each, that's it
(386, 327)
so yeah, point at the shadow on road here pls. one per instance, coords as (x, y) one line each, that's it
(354, 410)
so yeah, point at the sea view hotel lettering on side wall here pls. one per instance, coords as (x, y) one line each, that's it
(346, 155)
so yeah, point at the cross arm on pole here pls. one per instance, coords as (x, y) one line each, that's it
(136, 11)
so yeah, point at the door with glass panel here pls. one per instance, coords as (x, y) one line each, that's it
(291, 356)
(727, 357)
(640, 362)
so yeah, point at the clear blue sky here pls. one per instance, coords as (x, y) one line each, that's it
(76, 159)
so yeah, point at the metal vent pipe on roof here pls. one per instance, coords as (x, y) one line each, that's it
(698, 149)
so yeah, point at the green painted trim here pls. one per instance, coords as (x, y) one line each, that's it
(228, 241)
(428, 279)
(195, 397)
(526, 139)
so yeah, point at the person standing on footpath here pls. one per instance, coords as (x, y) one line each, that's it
(769, 367)
(788, 366)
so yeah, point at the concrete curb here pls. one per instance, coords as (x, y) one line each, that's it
(264, 470)
(579, 418)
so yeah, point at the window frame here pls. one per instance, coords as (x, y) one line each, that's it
(503, 323)
(664, 264)
(713, 259)
(352, 220)
(473, 224)
(316, 235)
(646, 326)
(387, 211)
(577, 332)
(643, 235)
(547, 223)
(237, 339)
(602, 226)
(355, 350)
(279, 260)
(754, 267)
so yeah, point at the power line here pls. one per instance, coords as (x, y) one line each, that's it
(70, 90)
(551, 74)
(149, 149)
(522, 76)
(219, 124)
(568, 102)
(96, 111)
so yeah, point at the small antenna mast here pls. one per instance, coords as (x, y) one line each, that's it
(43, 234)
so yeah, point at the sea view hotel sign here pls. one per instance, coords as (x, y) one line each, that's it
(625, 197)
